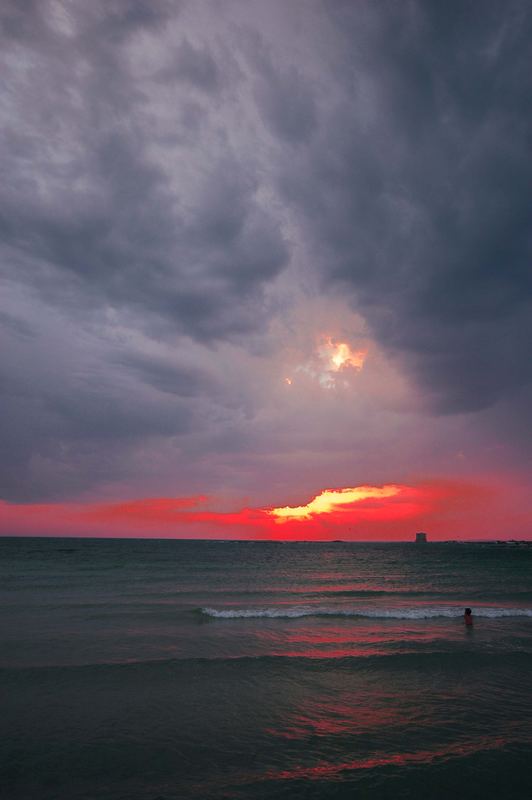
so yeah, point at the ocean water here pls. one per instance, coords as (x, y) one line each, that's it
(174, 669)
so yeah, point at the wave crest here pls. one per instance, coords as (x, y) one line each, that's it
(424, 612)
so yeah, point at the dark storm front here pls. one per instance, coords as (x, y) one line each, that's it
(180, 669)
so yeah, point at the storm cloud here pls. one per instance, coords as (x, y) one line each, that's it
(87, 197)
(417, 190)
(193, 193)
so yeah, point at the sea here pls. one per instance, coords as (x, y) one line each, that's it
(216, 670)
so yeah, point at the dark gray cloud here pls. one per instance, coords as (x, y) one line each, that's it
(416, 193)
(66, 397)
(284, 97)
(184, 381)
(84, 194)
(176, 179)
(194, 66)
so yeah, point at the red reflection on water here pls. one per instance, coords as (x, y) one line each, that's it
(349, 639)
(349, 635)
(333, 771)
(339, 652)
(327, 719)
(343, 584)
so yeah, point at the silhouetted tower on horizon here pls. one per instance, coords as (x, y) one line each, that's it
(421, 538)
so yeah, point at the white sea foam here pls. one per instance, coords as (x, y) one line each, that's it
(418, 612)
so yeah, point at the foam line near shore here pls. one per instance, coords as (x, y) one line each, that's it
(423, 612)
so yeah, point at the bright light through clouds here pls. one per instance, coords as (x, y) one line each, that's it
(331, 359)
(339, 355)
(334, 500)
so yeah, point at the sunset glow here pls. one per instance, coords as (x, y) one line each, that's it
(339, 355)
(388, 512)
(331, 360)
(333, 500)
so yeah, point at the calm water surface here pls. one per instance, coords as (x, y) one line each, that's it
(174, 669)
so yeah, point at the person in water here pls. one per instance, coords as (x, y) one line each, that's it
(468, 617)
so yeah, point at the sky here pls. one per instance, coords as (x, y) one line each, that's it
(265, 268)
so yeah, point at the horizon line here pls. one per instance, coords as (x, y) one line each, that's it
(282, 541)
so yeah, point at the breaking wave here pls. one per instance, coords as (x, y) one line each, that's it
(420, 612)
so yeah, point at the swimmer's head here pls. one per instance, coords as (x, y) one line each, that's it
(467, 612)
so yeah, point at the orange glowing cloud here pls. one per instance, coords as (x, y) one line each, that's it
(331, 359)
(339, 355)
(331, 500)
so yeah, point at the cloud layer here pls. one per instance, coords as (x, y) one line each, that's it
(196, 196)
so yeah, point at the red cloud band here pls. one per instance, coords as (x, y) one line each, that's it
(387, 512)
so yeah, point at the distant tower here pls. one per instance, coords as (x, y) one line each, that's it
(421, 538)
